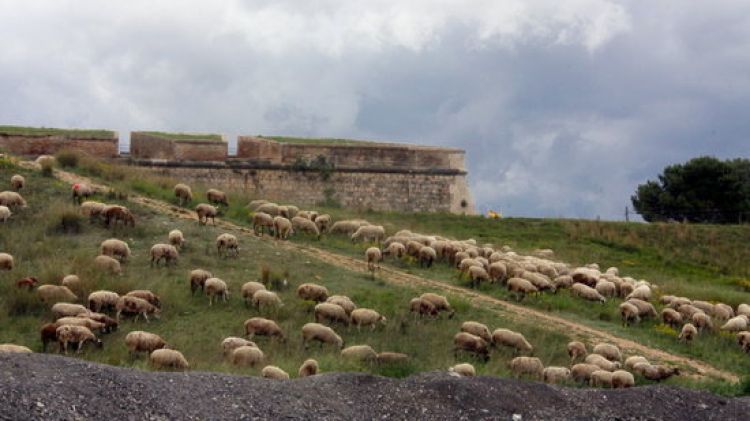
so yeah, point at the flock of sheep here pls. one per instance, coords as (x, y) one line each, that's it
(75, 324)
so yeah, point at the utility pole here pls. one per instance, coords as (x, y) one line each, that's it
(627, 214)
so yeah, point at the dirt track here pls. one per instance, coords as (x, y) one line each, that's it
(505, 308)
(52, 387)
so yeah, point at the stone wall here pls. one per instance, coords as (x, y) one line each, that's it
(50, 145)
(147, 146)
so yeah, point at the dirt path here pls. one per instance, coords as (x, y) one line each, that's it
(504, 308)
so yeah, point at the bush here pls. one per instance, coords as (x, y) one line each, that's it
(66, 219)
(47, 169)
(67, 158)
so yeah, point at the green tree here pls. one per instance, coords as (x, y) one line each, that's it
(704, 189)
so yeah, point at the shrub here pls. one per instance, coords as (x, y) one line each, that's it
(66, 219)
(47, 169)
(67, 158)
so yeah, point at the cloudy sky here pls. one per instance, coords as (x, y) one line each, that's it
(563, 107)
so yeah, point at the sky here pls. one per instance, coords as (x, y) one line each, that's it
(563, 107)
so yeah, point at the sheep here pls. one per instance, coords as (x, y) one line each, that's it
(6, 261)
(511, 339)
(582, 372)
(12, 200)
(282, 227)
(655, 372)
(520, 287)
(331, 313)
(102, 300)
(308, 368)
(137, 306)
(227, 244)
(427, 255)
(140, 341)
(689, 331)
(249, 288)
(309, 214)
(198, 279)
(723, 311)
(75, 334)
(108, 264)
(736, 324)
(183, 193)
(231, 343)
(345, 302)
(643, 292)
(28, 282)
(216, 197)
(671, 317)
(477, 329)
(93, 209)
(601, 378)
(366, 317)
(743, 309)
(322, 334)
(701, 321)
(273, 372)
(17, 182)
(264, 298)
(576, 350)
(602, 362)
(362, 353)
(555, 375)
(497, 271)
(391, 358)
(477, 274)
(587, 293)
(46, 160)
(676, 302)
(263, 327)
(5, 214)
(73, 282)
(530, 366)
(66, 309)
(585, 276)
(216, 287)
(608, 351)
(621, 379)
(110, 324)
(305, 225)
(168, 358)
(292, 211)
(629, 313)
(82, 321)
(630, 362)
(347, 226)
(369, 233)
(645, 309)
(395, 249)
(247, 356)
(606, 288)
(538, 280)
(704, 306)
(262, 220)
(422, 307)
(440, 302)
(176, 239)
(269, 208)
(114, 213)
(115, 248)
(743, 340)
(55, 293)
(463, 341)
(312, 292)
(323, 222)
(687, 310)
(373, 256)
(462, 370)
(147, 295)
(81, 191)
(167, 252)
(15, 349)
(48, 333)
(204, 211)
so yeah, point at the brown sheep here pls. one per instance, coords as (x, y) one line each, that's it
(529, 366)
(204, 211)
(198, 279)
(263, 327)
(217, 197)
(463, 341)
(312, 292)
(576, 350)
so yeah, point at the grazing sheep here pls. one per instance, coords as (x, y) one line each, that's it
(327, 312)
(227, 244)
(115, 248)
(630, 362)
(366, 317)
(576, 350)
(28, 282)
(273, 372)
(5, 214)
(477, 274)
(391, 358)
(743, 309)
(93, 209)
(15, 349)
(305, 225)
(587, 293)
(75, 334)
(231, 343)
(362, 353)
(689, 331)
(462, 370)
(81, 191)
(687, 310)
(602, 362)
(269, 208)
(216, 287)
(655, 372)
(147, 295)
(168, 358)
(671, 317)
(704, 306)
(608, 351)
(6, 261)
(373, 256)
(527, 366)
(66, 309)
(347, 226)
(422, 307)
(12, 200)
(582, 372)
(621, 379)
(323, 222)
(345, 302)
(183, 193)
(477, 329)
(198, 279)
(520, 287)
(643, 292)
(137, 306)
(263, 327)
(395, 249)
(176, 239)
(103, 300)
(140, 341)
(55, 293)
(541, 282)
(645, 309)
(216, 197)
(736, 324)
(629, 313)
(427, 255)
(440, 302)
(369, 233)
(167, 252)
(250, 288)
(322, 334)
(743, 340)
(463, 341)
(308, 368)
(509, 338)
(498, 271)
(312, 292)
(266, 299)
(282, 227)
(110, 324)
(606, 288)
(204, 211)
(82, 321)
(601, 378)
(555, 375)
(114, 213)
(701, 321)
(261, 221)
(108, 264)
(246, 356)
(73, 282)
(723, 311)
(17, 182)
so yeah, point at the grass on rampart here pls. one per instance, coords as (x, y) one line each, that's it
(187, 137)
(48, 131)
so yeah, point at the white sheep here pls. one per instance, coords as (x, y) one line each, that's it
(15, 349)
(273, 372)
(266, 299)
(608, 351)
(602, 362)
(5, 213)
(308, 368)
(601, 378)
(102, 300)
(363, 353)
(115, 248)
(373, 256)
(305, 225)
(6, 261)
(689, 331)
(261, 221)
(168, 358)
(576, 350)
(509, 338)
(282, 227)
(66, 309)
(55, 293)
(366, 317)
(345, 302)
(109, 264)
(176, 239)
(463, 341)
(248, 289)
(582, 372)
(622, 379)
(204, 211)
(17, 182)
(216, 287)
(521, 287)
(75, 334)
(137, 306)
(369, 233)
(12, 200)
(477, 329)
(167, 252)
(247, 356)
(183, 193)
(440, 302)
(587, 293)
(312, 292)
(140, 341)
(263, 327)
(462, 370)
(73, 282)
(231, 343)
(227, 244)
(198, 279)
(216, 197)
(322, 334)
(555, 375)
(529, 366)
(327, 312)
(736, 324)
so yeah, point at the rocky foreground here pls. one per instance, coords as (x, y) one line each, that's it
(53, 387)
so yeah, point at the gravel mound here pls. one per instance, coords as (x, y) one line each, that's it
(52, 387)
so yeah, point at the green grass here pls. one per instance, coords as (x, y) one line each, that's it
(187, 137)
(48, 131)
(317, 140)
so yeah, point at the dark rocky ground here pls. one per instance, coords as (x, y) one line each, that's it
(53, 387)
